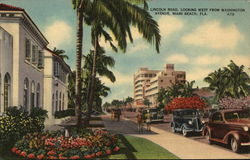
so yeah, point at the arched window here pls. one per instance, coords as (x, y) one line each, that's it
(38, 95)
(53, 104)
(26, 93)
(56, 100)
(32, 95)
(63, 102)
(60, 102)
(6, 91)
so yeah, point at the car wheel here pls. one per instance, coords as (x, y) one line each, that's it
(207, 136)
(184, 132)
(173, 129)
(235, 146)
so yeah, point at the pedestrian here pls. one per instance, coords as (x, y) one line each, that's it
(118, 114)
(148, 120)
(112, 114)
(139, 121)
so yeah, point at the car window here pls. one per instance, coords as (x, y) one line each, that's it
(237, 115)
(189, 113)
(217, 117)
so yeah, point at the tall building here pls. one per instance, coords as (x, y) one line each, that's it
(147, 83)
(30, 73)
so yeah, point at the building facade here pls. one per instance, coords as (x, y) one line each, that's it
(147, 83)
(23, 71)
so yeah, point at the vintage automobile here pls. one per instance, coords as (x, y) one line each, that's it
(186, 121)
(156, 114)
(230, 127)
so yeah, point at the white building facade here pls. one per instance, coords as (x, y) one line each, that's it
(23, 70)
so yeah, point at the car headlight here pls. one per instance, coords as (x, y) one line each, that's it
(245, 128)
(190, 122)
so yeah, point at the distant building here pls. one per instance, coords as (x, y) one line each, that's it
(147, 83)
(31, 75)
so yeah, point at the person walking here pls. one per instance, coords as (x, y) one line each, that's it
(148, 120)
(139, 121)
(118, 114)
(112, 114)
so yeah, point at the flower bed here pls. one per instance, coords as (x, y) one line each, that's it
(186, 103)
(54, 145)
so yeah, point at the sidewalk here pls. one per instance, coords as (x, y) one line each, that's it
(182, 147)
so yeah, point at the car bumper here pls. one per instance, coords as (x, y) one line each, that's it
(245, 144)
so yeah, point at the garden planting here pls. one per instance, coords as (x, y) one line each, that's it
(186, 103)
(54, 145)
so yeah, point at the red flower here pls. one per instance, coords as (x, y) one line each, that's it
(23, 154)
(18, 151)
(31, 156)
(87, 156)
(93, 155)
(41, 156)
(98, 154)
(75, 157)
(116, 149)
(14, 149)
(108, 151)
(60, 157)
(51, 153)
(52, 157)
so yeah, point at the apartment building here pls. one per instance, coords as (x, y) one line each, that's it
(26, 64)
(147, 83)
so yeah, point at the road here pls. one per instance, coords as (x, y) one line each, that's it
(166, 127)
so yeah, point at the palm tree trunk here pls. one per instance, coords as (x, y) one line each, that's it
(92, 83)
(78, 68)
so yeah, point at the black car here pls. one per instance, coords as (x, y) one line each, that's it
(156, 114)
(186, 121)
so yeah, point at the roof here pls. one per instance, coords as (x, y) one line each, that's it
(7, 7)
(60, 59)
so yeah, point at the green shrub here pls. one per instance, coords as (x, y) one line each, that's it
(17, 122)
(65, 113)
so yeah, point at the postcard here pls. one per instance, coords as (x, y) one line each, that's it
(124, 79)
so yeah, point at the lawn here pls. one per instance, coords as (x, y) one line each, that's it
(131, 148)
(140, 148)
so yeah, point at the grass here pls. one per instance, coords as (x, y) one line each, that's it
(130, 148)
(140, 148)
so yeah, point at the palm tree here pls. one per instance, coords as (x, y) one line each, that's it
(98, 23)
(118, 15)
(187, 89)
(238, 81)
(60, 53)
(217, 83)
(146, 102)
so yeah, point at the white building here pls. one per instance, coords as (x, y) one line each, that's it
(30, 74)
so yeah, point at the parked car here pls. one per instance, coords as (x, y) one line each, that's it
(186, 121)
(156, 114)
(229, 127)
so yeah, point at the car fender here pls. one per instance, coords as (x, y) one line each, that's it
(185, 125)
(205, 130)
(172, 124)
(235, 134)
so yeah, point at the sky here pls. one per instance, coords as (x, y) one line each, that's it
(197, 44)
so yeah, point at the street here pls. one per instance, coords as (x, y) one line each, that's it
(166, 127)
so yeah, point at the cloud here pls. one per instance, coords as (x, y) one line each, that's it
(168, 25)
(198, 74)
(212, 34)
(207, 60)
(135, 33)
(121, 79)
(58, 33)
(238, 59)
(177, 58)
(138, 47)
